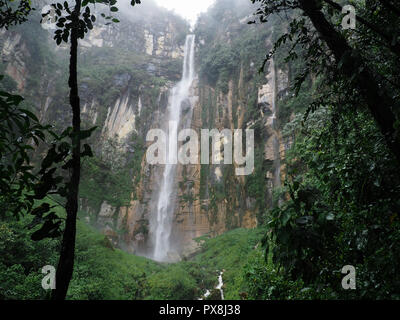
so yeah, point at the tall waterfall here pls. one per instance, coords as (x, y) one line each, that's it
(166, 204)
(277, 161)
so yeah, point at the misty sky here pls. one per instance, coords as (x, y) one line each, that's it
(189, 9)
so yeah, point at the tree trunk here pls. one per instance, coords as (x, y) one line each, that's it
(66, 261)
(378, 102)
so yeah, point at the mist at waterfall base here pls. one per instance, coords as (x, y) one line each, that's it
(162, 217)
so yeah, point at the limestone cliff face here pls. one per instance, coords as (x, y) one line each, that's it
(13, 56)
(134, 49)
(214, 200)
(211, 199)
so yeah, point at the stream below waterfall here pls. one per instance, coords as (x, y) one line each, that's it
(218, 287)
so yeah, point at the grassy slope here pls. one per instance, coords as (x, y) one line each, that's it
(102, 272)
(105, 273)
(230, 252)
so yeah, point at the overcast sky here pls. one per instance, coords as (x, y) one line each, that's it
(189, 9)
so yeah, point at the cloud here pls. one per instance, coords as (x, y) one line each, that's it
(189, 9)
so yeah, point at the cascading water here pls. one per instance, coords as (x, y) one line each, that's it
(165, 204)
(277, 161)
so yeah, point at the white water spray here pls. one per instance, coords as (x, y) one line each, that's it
(165, 204)
(277, 161)
(220, 284)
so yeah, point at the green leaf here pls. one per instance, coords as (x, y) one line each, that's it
(87, 152)
(285, 217)
(133, 2)
(84, 134)
(30, 114)
(50, 229)
(42, 209)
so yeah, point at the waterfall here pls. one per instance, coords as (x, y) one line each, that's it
(139, 106)
(220, 285)
(166, 204)
(277, 161)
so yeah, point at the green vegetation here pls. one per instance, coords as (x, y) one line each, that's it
(172, 283)
(101, 272)
(103, 181)
(104, 272)
(343, 208)
(342, 178)
(219, 65)
(256, 183)
(230, 252)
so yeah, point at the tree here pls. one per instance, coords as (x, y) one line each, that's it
(74, 23)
